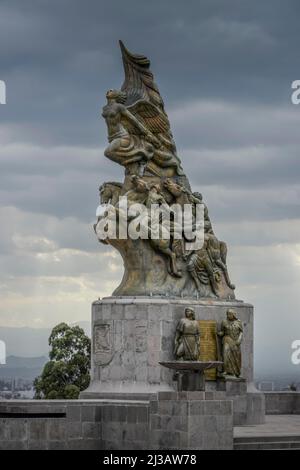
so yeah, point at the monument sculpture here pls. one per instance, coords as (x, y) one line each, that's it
(189, 369)
(187, 338)
(165, 271)
(140, 139)
(232, 334)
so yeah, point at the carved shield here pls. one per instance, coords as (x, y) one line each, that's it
(103, 343)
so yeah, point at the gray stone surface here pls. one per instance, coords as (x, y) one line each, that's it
(187, 420)
(248, 402)
(169, 420)
(131, 335)
(281, 403)
(278, 432)
(64, 424)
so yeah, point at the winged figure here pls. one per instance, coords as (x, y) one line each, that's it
(139, 131)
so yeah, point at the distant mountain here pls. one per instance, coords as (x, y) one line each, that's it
(25, 342)
(26, 362)
(27, 350)
(23, 367)
(31, 342)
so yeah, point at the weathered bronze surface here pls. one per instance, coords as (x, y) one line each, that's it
(187, 338)
(231, 333)
(140, 140)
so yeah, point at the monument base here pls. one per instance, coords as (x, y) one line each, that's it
(130, 336)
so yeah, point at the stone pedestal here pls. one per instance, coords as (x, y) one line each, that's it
(130, 336)
(190, 381)
(190, 375)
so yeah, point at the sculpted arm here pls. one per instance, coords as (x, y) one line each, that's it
(178, 334)
(240, 338)
(222, 330)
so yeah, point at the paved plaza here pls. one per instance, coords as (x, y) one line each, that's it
(275, 426)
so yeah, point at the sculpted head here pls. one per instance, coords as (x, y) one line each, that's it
(231, 315)
(198, 196)
(139, 184)
(190, 313)
(116, 95)
(155, 188)
(173, 187)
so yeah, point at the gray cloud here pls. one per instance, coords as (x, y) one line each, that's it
(225, 71)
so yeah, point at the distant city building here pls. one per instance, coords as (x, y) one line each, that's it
(266, 386)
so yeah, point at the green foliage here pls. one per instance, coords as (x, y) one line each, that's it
(67, 372)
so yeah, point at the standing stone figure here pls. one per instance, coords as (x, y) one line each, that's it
(187, 337)
(232, 334)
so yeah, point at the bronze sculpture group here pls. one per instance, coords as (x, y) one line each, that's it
(160, 261)
(140, 139)
(188, 337)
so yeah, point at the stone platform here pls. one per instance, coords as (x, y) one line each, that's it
(167, 420)
(279, 432)
(130, 336)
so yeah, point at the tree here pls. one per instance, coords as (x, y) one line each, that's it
(67, 372)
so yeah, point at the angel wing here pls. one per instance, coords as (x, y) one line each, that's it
(150, 116)
(143, 97)
(139, 81)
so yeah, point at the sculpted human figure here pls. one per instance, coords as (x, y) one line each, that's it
(110, 192)
(207, 223)
(146, 194)
(157, 252)
(217, 251)
(138, 127)
(232, 335)
(138, 193)
(136, 133)
(155, 196)
(201, 269)
(187, 337)
(125, 148)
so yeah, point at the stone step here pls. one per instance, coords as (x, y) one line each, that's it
(275, 445)
(257, 438)
(267, 442)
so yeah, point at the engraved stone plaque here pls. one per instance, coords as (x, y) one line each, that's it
(103, 344)
(208, 345)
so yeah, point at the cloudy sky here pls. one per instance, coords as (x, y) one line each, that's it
(225, 71)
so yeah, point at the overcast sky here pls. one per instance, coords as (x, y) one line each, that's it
(224, 69)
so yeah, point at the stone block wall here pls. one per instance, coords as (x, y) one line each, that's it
(248, 402)
(191, 421)
(59, 424)
(125, 425)
(169, 420)
(131, 336)
(282, 403)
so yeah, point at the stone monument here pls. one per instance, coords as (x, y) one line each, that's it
(165, 271)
